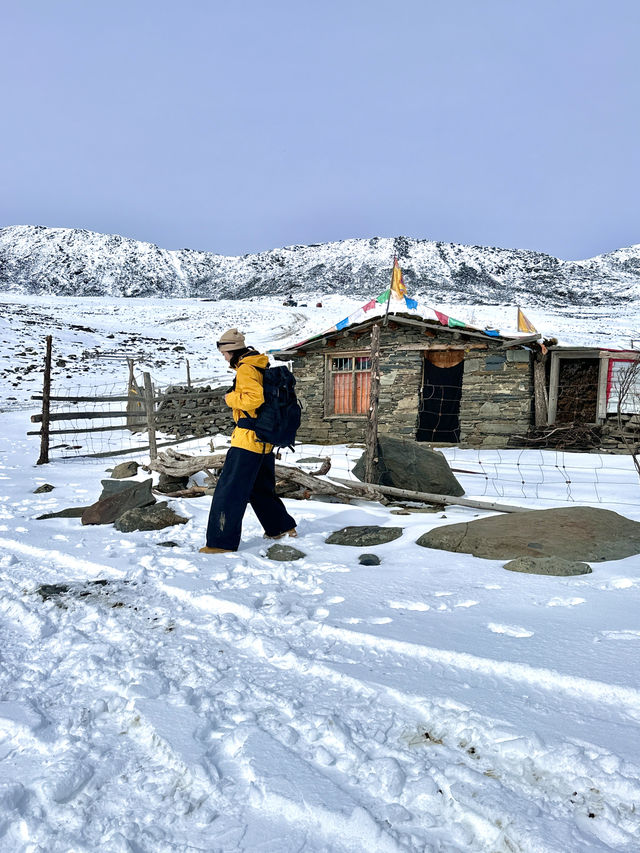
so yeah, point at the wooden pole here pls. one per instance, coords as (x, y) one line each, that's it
(151, 418)
(46, 394)
(386, 313)
(188, 375)
(372, 420)
(428, 497)
(540, 390)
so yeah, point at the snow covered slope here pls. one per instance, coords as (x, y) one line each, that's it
(68, 262)
(92, 337)
(156, 699)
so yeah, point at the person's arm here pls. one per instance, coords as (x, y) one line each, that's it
(248, 395)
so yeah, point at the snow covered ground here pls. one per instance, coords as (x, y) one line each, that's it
(174, 701)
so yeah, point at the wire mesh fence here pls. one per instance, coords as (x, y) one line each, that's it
(550, 471)
(516, 476)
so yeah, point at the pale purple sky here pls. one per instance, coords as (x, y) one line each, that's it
(244, 125)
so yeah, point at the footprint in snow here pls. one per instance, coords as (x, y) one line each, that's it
(621, 635)
(408, 605)
(509, 630)
(565, 602)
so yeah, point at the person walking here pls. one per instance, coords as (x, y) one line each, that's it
(248, 474)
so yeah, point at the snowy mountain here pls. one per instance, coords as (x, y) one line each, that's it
(70, 262)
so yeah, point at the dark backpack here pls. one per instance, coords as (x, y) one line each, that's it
(278, 418)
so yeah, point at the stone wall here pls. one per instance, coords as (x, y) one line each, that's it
(497, 397)
(612, 440)
(194, 412)
(497, 389)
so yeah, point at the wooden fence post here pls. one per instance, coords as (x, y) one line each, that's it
(46, 403)
(541, 404)
(151, 417)
(372, 420)
(188, 375)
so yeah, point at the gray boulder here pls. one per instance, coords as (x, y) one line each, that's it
(369, 560)
(284, 553)
(106, 510)
(115, 487)
(407, 464)
(365, 536)
(555, 566)
(125, 469)
(168, 484)
(581, 533)
(154, 517)
(45, 487)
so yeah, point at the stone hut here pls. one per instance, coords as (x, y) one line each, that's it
(599, 388)
(437, 384)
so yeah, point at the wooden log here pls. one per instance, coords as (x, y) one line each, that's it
(78, 416)
(541, 403)
(150, 412)
(428, 497)
(75, 431)
(371, 440)
(181, 465)
(45, 416)
(121, 398)
(192, 492)
(140, 449)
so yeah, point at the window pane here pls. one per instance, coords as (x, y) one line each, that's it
(342, 364)
(363, 363)
(342, 393)
(623, 375)
(363, 388)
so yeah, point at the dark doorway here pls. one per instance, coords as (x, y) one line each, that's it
(438, 419)
(578, 390)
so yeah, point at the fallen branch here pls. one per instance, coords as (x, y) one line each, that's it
(181, 465)
(193, 492)
(427, 497)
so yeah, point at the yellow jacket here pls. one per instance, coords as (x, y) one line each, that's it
(247, 397)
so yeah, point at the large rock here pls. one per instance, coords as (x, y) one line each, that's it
(148, 518)
(115, 487)
(406, 464)
(573, 533)
(168, 484)
(125, 469)
(555, 566)
(106, 510)
(365, 536)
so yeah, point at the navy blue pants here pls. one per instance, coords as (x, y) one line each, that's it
(246, 477)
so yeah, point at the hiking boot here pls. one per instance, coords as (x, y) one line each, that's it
(207, 550)
(292, 533)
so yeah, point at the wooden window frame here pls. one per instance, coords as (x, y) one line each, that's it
(329, 399)
(605, 357)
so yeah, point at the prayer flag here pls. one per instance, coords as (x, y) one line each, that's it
(524, 325)
(398, 288)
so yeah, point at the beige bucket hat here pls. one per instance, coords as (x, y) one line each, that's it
(231, 340)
